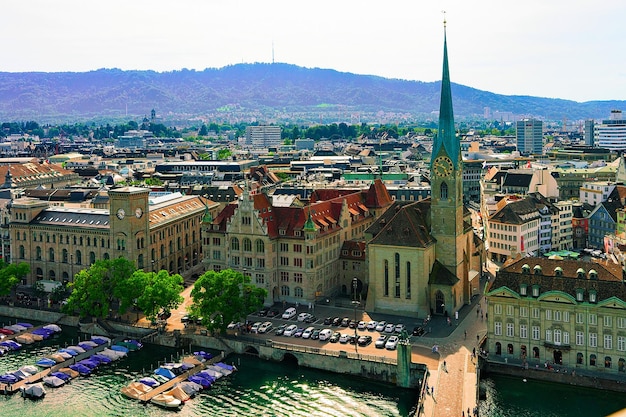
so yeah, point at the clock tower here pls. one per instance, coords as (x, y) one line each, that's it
(129, 224)
(446, 172)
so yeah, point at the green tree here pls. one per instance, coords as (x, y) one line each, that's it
(160, 293)
(203, 130)
(10, 275)
(223, 154)
(225, 296)
(94, 289)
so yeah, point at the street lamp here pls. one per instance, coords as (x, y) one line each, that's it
(355, 303)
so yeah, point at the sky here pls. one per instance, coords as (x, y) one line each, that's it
(569, 49)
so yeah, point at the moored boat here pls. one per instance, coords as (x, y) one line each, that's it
(135, 390)
(33, 390)
(166, 401)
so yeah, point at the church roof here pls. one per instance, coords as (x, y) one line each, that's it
(440, 275)
(404, 224)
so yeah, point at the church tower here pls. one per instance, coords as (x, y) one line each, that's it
(446, 168)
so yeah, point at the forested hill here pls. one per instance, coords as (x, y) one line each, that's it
(255, 89)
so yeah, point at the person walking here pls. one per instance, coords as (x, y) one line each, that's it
(445, 368)
(465, 334)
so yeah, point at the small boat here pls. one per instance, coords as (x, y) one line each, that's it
(101, 358)
(131, 344)
(17, 328)
(34, 390)
(25, 339)
(36, 337)
(120, 348)
(165, 372)
(31, 369)
(202, 355)
(166, 401)
(219, 371)
(160, 378)
(151, 382)
(53, 381)
(6, 331)
(112, 354)
(77, 349)
(43, 332)
(8, 379)
(26, 325)
(191, 388)
(89, 363)
(53, 327)
(210, 374)
(46, 362)
(64, 355)
(3, 350)
(81, 369)
(11, 344)
(135, 390)
(178, 393)
(200, 380)
(101, 340)
(21, 375)
(226, 366)
(70, 372)
(65, 377)
(71, 352)
(57, 358)
(85, 346)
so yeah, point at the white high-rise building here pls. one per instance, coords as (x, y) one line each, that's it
(611, 133)
(263, 136)
(530, 136)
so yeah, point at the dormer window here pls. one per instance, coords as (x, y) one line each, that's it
(593, 274)
(579, 294)
(523, 288)
(592, 296)
(558, 271)
(525, 269)
(580, 273)
(535, 290)
(537, 270)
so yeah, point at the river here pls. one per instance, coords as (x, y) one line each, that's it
(260, 388)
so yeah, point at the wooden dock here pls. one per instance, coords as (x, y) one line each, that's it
(9, 389)
(170, 384)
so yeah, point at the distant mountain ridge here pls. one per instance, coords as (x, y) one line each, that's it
(255, 89)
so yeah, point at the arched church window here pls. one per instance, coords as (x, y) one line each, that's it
(443, 191)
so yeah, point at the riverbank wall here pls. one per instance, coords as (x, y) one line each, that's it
(563, 376)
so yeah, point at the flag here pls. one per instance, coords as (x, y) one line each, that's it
(484, 164)
(528, 164)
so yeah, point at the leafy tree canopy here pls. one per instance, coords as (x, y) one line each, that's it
(160, 292)
(225, 296)
(10, 275)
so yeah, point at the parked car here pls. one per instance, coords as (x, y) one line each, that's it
(399, 328)
(352, 324)
(280, 329)
(361, 325)
(263, 312)
(325, 334)
(345, 322)
(328, 321)
(273, 313)
(381, 326)
(345, 338)
(389, 328)
(290, 330)
(335, 337)
(336, 321)
(380, 342)
(316, 334)
(303, 316)
(392, 343)
(255, 327)
(364, 340)
(310, 319)
(289, 313)
(234, 325)
(306, 334)
(372, 325)
(265, 327)
(299, 332)
(418, 331)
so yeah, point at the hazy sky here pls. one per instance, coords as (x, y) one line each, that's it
(572, 49)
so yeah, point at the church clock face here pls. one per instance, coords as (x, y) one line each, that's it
(442, 166)
(120, 214)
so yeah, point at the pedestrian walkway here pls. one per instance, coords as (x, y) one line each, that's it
(453, 388)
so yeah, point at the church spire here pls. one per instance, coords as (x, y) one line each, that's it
(446, 136)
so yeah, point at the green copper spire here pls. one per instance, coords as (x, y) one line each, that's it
(446, 136)
(309, 225)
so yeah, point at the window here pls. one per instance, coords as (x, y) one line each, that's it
(397, 274)
(566, 316)
(234, 244)
(523, 311)
(284, 276)
(548, 335)
(592, 296)
(235, 261)
(443, 191)
(548, 314)
(260, 246)
(247, 245)
(580, 338)
(535, 312)
(580, 318)
(51, 254)
(608, 321)
(259, 278)
(536, 290)
(593, 339)
(260, 263)
(79, 258)
(408, 280)
(608, 341)
(621, 322)
(557, 315)
(38, 253)
(593, 319)
(557, 337)
(536, 332)
(579, 294)
(284, 261)
(497, 328)
(509, 310)
(297, 248)
(284, 247)
(298, 292)
(297, 262)
(510, 332)
(297, 277)
(497, 308)
(217, 255)
(284, 290)
(621, 343)
(386, 283)
(523, 331)
(522, 289)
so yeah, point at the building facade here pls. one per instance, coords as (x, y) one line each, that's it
(155, 232)
(565, 312)
(529, 135)
(611, 133)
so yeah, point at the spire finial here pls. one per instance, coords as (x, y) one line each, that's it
(444, 18)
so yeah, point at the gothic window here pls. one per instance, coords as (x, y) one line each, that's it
(260, 246)
(386, 284)
(92, 258)
(408, 280)
(234, 244)
(397, 274)
(38, 253)
(443, 191)
(247, 245)
(79, 258)
(21, 251)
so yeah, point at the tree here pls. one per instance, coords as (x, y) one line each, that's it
(203, 131)
(161, 292)
(225, 296)
(11, 275)
(94, 289)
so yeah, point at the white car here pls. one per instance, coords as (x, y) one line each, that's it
(255, 327)
(265, 327)
(380, 342)
(381, 326)
(389, 328)
(392, 343)
(372, 325)
(290, 330)
(303, 316)
(399, 328)
(325, 334)
(345, 338)
(361, 325)
(306, 334)
(289, 313)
